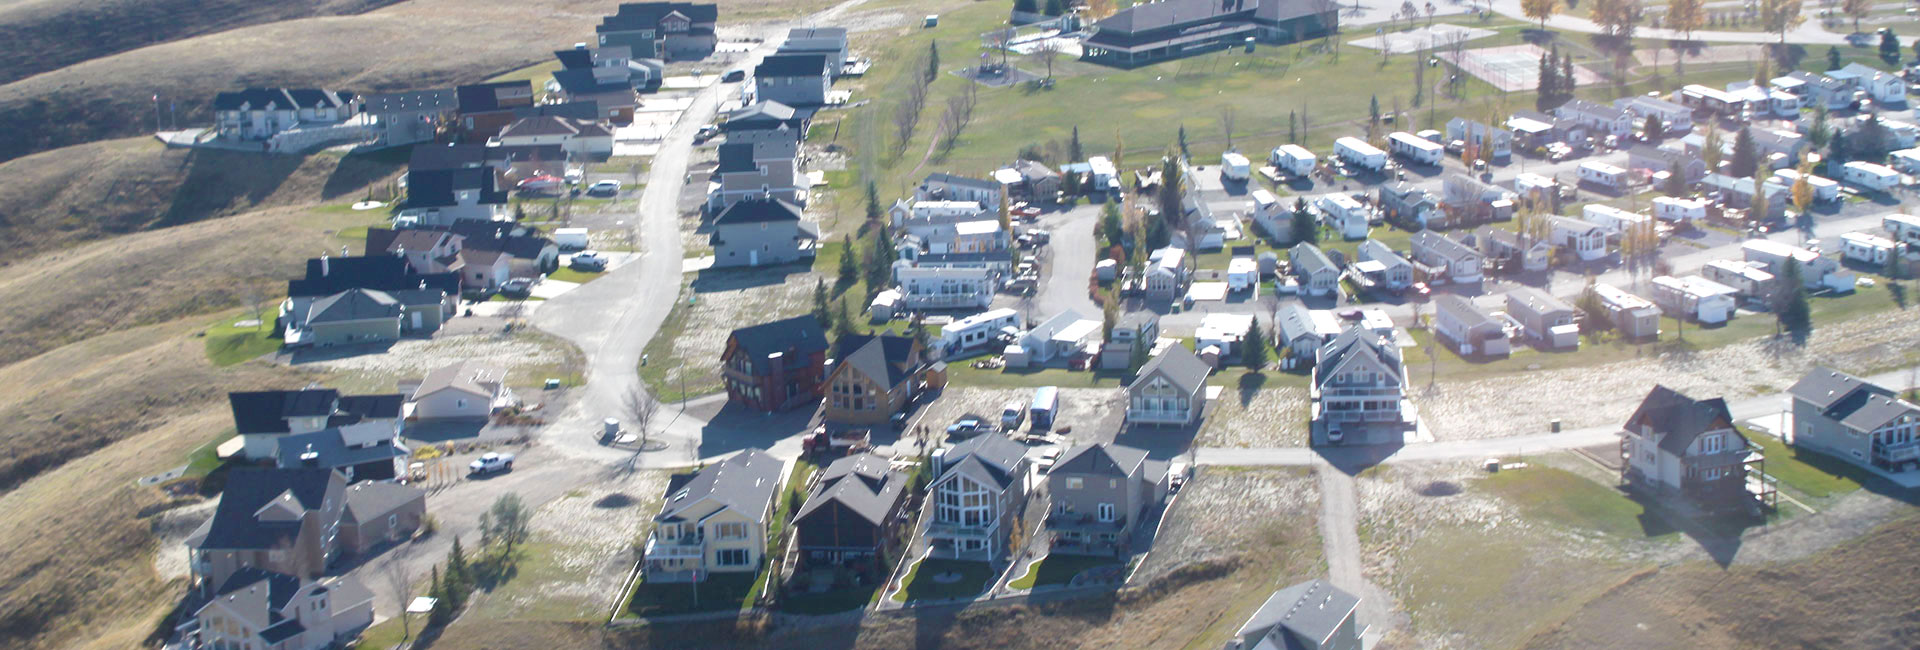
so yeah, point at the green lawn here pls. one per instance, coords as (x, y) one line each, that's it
(228, 344)
(1058, 569)
(568, 274)
(832, 601)
(205, 458)
(719, 592)
(1808, 472)
(920, 584)
(1560, 496)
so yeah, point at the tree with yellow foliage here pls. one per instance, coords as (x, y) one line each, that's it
(1540, 10)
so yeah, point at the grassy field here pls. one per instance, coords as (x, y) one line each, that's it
(574, 275)
(920, 582)
(228, 343)
(1809, 473)
(1058, 569)
(1550, 494)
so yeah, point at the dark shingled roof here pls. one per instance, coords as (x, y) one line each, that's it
(330, 451)
(370, 500)
(434, 188)
(381, 272)
(1358, 340)
(1105, 459)
(480, 98)
(990, 457)
(745, 482)
(354, 304)
(234, 525)
(735, 157)
(283, 99)
(796, 337)
(885, 358)
(267, 411)
(1179, 364)
(437, 99)
(791, 65)
(863, 483)
(1681, 419)
(756, 210)
(580, 81)
(280, 587)
(428, 157)
(1850, 400)
(579, 109)
(1307, 615)
(647, 15)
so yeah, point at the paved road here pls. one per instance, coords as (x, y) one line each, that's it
(1072, 254)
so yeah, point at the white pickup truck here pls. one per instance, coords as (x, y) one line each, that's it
(491, 462)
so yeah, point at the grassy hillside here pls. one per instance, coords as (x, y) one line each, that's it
(49, 34)
(79, 540)
(71, 195)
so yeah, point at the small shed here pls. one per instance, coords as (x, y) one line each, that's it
(1211, 356)
(1106, 270)
(1269, 264)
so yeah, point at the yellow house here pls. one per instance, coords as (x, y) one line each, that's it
(715, 520)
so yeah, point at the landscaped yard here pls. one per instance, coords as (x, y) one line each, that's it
(719, 592)
(229, 343)
(1058, 569)
(832, 601)
(935, 579)
(1550, 494)
(1808, 472)
(569, 274)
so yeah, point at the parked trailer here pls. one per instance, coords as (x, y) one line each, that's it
(1879, 178)
(1235, 167)
(1903, 227)
(1292, 159)
(1046, 402)
(1703, 98)
(1603, 175)
(1415, 148)
(1905, 160)
(1357, 152)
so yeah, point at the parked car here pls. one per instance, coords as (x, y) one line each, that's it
(734, 75)
(576, 175)
(587, 261)
(964, 427)
(706, 133)
(607, 187)
(517, 286)
(492, 462)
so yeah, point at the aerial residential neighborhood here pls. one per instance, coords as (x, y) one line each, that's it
(1239, 324)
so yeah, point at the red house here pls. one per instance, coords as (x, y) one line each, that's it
(776, 366)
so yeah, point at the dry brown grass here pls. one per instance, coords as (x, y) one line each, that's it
(78, 545)
(413, 44)
(1856, 595)
(74, 194)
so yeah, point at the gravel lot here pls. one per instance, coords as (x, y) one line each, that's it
(1093, 413)
(1271, 417)
(410, 359)
(1604, 395)
(1224, 511)
(725, 300)
(587, 537)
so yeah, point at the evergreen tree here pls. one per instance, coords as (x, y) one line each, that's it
(1074, 152)
(460, 579)
(820, 301)
(1373, 110)
(1303, 227)
(1544, 93)
(1889, 46)
(1655, 130)
(1026, 6)
(1183, 142)
(1110, 224)
(1836, 150)
(880, 262)
(442, 611)
(1055, 8)
(1157, 234)
(1169, 197)
(1676, 183)
(849, 261)
(1746, 158)
(1253, 348)
(1109, 317)
(1818, 131)
(1567, 81)
(1293, 127)
(1833, 59)
(874, 213)
(1795, 316)
(843, 324)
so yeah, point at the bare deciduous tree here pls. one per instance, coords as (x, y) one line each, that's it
(1226, 124)
(400, 579)
(640, 407)
(1048, 53)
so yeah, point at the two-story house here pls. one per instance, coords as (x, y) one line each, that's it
(578, 138)
(609, 78)
(872, 378)
(1167, 275)
(290, 521)
(798, 80)
(1851, 419)
(1312, 615)
(330, 276)
(484, 109)
(1169, 390)
(1316, 272)
(777, 365)
(1097, 496)
(438, 197)
(1359, 383)
(979, 495)
(1677, 445)
(829, 42)
(715, 519)
(1468, 329)
(1445, 258)
(261, 113)
(670, 31)
(276, 611)
(1302, 331)
(757, 169)
(762, 231)
(1133, 334)
(263, 418)
(853, 516)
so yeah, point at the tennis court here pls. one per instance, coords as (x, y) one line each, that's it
(1512, 68)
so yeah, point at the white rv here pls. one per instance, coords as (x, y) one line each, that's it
(1292, 159)
(1358, 153)
(1415, 148)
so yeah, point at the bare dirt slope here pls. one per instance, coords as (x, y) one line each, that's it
(414, 44)
(70, 195)
(78, 540)
(49, 34)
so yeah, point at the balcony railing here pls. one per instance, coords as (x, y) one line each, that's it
(684, 547)
(1083, 522)
(1899, 452)
(957, 530)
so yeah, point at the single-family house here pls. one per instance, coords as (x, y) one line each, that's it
(1380, 266)
(327, 277)
(356, 316)
(944, 288)
(1507, 250)
(854, 516)
(462, 390)
(259, 114)
(799, 80)
(1635, 317)
(409, 117)
(608, 77)
(1680, 446)
(1169, 390)
(581, 138)
(777, 365)
(1167, 274)
(1032, 180)
(1098, 494)
(439, 197)
(1346, 216)
(1468, 329)
(484, 109)
(1466, 200)
(1547, 322)
(1408, 204)
(1359, 383)
(873, 377)
(671, 31)
(765, 120)
(1695, 297)
(715, 520)
(979, 492)
(1599, 120)
(380, 513)
(1445, 257)
(263, 418)
(829, 42)
(1855, 420)
(1884, 87)
(762, 231)
(1273, 218)
(756, 169)
(1585, 239)
(276, 611)
(1675, 118)
(1134, 333)
(1654, 160)
(1316, 272)
(1312, 615)
(1480, 140)
(290, 521)
(1302, 331)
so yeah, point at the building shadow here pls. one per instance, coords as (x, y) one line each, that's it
(728, 279)
(1161, 442)
(307, 355)
(737, 427)
(437, 431)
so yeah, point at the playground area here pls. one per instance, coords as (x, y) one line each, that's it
(1512, 68)
(1436, 38)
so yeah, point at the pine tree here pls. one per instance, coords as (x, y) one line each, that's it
(1567, 81)
(442, 611)
(1796, 316)
(1254, 347)
(460, 579)
(1074, 152)
(1543, 95)
(1818, 131)
(874, 213)
(1833, 59)
(880, 262)
(1303, 227)
(1183, 142)
(1293, 127)
(1746, 157)
(1676, 183)
(933, 61)
(1109, 316)
(843, 324)
(1373, 110)
(1654, 129)
(820, 301)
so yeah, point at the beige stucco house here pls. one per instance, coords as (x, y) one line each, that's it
(715, 520)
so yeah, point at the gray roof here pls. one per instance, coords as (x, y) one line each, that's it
(886, 359)
(759, 210)
(950, 179)
(1308, 258)
(353, 305)
(1105, 459)
(864, 484)
(1681, 419)
(234, 524)
(1357, 341)
(1849, 400)
(1179, 365)
(1442, 245)
(331, 450)
(991, 458)
(1591, 109)
(371, 500)
(468, 376)
(1307, 615)
(1294, 320)
(1463, 310)
(1536, 301)
(746, 482)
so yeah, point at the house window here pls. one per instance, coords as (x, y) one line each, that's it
(460, 404)
(731, 530)
(1715, 472)
(731, 557)
(1075, 483)
(1107, 512)
(1711, 444)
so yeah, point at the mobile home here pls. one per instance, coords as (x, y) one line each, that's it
(977, 330)
(1603, 175)
(1292, 159)
(1357, 152)
(1415, 148)
(1866, 249)
(1879, 178)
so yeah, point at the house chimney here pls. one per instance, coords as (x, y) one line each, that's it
(323, 264)
(310, 458)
